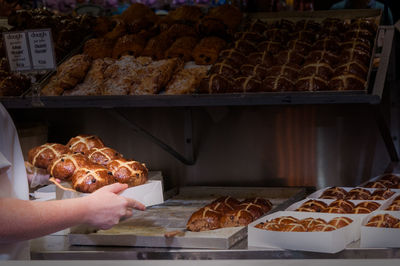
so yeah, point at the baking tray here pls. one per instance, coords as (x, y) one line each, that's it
(147, 229)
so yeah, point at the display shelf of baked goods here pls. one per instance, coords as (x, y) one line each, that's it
(59, 247)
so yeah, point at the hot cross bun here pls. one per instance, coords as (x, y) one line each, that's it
(41, 156)
(241, 217)
(204, 219)
(91, 177)
(265, 204)
(84, 143)
(340, 222)
(103, 155)
(358, 194)
(130, 172)
(346, 205)
(65, 165)
(382, 220)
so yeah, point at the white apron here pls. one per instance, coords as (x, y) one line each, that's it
(13, 180)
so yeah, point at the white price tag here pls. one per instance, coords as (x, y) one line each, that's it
(41, 47)
(17, 51)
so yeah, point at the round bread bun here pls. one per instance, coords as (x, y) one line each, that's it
(84, 143)
(65, 165)
(129, 172)
(41, 156)
(103, 155)
(340, 222)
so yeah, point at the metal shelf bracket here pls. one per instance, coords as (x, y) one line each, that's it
(187, 159)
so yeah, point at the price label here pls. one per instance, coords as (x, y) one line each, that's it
(17, 51)
(41, 48)
(30, 50)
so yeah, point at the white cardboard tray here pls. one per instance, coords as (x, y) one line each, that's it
(319, 192)
(326, 242)
(150, 193)
(375, 237)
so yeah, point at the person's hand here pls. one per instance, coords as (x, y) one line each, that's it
(36, 176)
(106, 208)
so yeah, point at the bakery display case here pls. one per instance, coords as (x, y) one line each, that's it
(225, 136)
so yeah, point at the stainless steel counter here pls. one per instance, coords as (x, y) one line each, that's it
(56, 247)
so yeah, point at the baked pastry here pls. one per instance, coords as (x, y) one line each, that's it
(323, 56)
(347, 82)
(129, 172)
(306, 209)
(121, 76)
(318, 68)
(382, 220)
(64, 166)
(299, 46)
(277, 83)
(229, 201)
(132, 44)
(207, 51)
(119, 29)
(346, 205)
(69, 74)
(182, 48)
(370, 205)
(186, 80)
(277, 34)
(233, 56)
(378, 184)
(322, 228)
(103, 155)
(352, 67)
(310, 25)
(246, 84)
(311, 83)
(98, 48)
(259, 71)
(261, 58)
(84, 143)
(138, 11)
(334, 209)
(285, 220)
(309, 223)
(288, 70)
(391, 177)
(294, 227)
(244, 46)
(317, 205)
(241, 217)
(209, 26)
(384, 193)
(94, 80)
(203, 220)
(186, 14)
(271, 47)
(153, 78)
(225, 69)
(41, 156)
(265, 204)
(270, 226)
(215, 83)
(303, 36)
(91, 177)
(230, 15)
(328, 44)
(358, 194)
(393, 207)
(334, 193)
(348, 55)
(156, 46)
(177, 31)
(340, 222)
(357, 44)
(289, 57)
(256, 25)
(253, 37)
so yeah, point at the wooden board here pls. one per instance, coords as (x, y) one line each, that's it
(147, 229)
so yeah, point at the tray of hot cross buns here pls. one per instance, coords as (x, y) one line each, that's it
(196, 217)
(334, 218)
(86, 164)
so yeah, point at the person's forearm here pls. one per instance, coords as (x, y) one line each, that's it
(21, 220)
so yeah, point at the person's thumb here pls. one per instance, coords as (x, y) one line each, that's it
(116, 187)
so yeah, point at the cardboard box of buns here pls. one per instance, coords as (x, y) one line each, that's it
(381, 230)
(150, 193)
(317, 232)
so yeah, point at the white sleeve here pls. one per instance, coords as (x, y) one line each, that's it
(4, 163)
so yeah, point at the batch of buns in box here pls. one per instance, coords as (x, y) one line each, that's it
(87, 164)
(139, 52)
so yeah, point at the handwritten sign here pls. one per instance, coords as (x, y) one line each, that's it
(30, 50)
(17, 51)
(41, 48)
